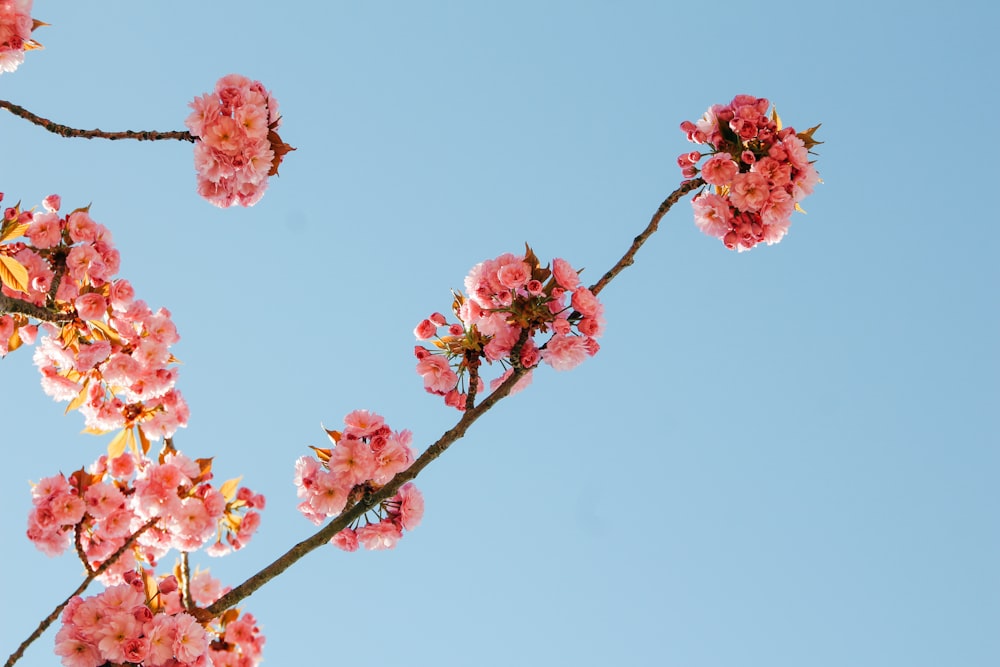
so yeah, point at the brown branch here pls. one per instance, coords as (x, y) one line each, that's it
(629, 257)
(325, 534)
(66, 131)
(9, 304)
(471, 414)
(50, 619)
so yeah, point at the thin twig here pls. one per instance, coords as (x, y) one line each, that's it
(66, 131)
(629, 257)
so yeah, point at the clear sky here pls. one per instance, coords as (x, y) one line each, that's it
(785, 457)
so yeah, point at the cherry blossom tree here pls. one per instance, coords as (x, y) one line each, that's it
(134, 513)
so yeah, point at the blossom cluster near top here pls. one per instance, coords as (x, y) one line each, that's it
(110, 355)
(760, 170)
(143, 621)
(364, 457)
(510, 299)
(16, 26)
(239, 146)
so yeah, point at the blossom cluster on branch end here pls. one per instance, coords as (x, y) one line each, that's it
(239, 147)
(144, 621)
(509, 298)
(16, 26)
(364, 457)
(760, 172)
(102, 349)
(101, 508)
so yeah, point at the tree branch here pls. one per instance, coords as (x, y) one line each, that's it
(9, 304)
(50, 619)
(629, 257)
(66, 131)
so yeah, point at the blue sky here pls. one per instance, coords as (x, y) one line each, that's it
(781, 457)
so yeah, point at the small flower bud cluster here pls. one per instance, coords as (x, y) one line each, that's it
(16, 25)
(239, 146)
(111, 355)
(759, 170)
(364, 456)
(510, 299)
(141, 621)
(101, 508)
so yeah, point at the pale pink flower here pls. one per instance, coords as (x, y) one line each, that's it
(45, 230)
(564, 353)
(347, 539)
(749, 191)
(161, 632)
(328, 495)
(190, 638)
(378, 536)
(411, 506)
(437, 374)
(585, 302)
(720, 169)
(362, 423)
(205, 589)
(352, 461)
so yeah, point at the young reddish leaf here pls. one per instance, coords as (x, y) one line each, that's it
(143, 440)
(131, 441)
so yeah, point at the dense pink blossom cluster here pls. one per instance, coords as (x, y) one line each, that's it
(111, 357)
(142, 621)
(760, 172)
(16, 25)
(99, 509)
(239, 146)
(509, 298)
(364, 456)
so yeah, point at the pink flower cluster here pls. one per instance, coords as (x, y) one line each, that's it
(760, 172)
(101, 508)
(16, 25)
(510, 298)
(239, 145)
(364, 456)
(111, 357)
(141, 621)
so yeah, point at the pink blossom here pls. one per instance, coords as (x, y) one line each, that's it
(437, 374)
(239, 146)
(564, 352)
(720, 169)
(362, 423)
(45, 230)
(352, 461)
(378, 536)
(749, 191)
(426, 329)
(585, 302)
(411, 506)
(190, 638)
(347, 539)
